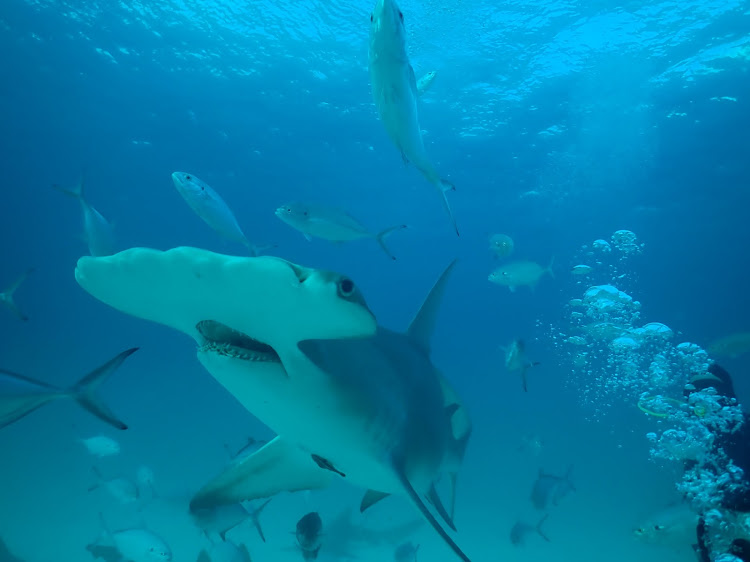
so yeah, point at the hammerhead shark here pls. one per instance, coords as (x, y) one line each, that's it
(300, 349)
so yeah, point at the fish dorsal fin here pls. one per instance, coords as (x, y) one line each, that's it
(423, 324)
(370, 498)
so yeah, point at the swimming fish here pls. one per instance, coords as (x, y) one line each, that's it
(308, 532)
(521, 530)
(406, 552)
(516, 360)
(101, 446)
(98, 232)
(248, 448)
(501, 245)
(581, 269)
(520, 274)
(6, 297)
(121, 489)
(21, 395)
(424, 83)
(133, 545)
(672, 526)
(146, 482)
(330, 224)
(732, 346)
(550, 489)
(214, 211)
(223, 518)
(394, 89)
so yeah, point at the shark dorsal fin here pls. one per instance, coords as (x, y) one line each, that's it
(423, 324)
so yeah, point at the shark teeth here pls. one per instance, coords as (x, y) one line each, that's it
(223, 340)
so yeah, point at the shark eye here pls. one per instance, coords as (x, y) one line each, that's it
(346, 287)
(371, 18)
(401, 15)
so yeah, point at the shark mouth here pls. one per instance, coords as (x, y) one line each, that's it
(223, 340)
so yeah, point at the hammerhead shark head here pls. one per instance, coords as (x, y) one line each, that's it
(300, 349)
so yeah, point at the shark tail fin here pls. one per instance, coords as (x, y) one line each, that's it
(76, 191)
(549, 267)
(444, 187)
(84, 391)
(380, 237)
(417, 501)
(539, 528)
(256, 519)
(523, 380)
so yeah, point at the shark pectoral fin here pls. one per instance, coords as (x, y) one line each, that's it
(417, 501)
(278, 466)
(423, 324)
(370, 498)
(437, 503)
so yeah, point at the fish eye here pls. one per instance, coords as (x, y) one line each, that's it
(658, 527)
(505, 273)
(346, 287)
(305, 213)
(401, 15)
(371, 18)
(188, 178)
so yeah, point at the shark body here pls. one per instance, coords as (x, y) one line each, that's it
(300, 349)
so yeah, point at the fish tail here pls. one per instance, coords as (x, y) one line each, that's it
(444, 187)
(258, 249)
(256, 519)
(380, 237)
(76, 191)
(18, 282)
(523, 380)
(84, 391)
(539, 528)
(250, 246)
(549, 267)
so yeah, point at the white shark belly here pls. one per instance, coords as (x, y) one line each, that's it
(312, 414)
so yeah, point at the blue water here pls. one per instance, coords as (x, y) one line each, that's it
(558, 122)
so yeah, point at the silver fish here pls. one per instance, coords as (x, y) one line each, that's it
(123, 490)
(330, 224)
(308, 533)
(223, 518)
(550, 489)
(424, 83)
(6, 297)
(133, 545)
(516, 360)
(394, 89)
(209, 206)
(20, 395)
(98, 232)
(521, 530)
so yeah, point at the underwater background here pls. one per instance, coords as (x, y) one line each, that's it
(560, 123)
